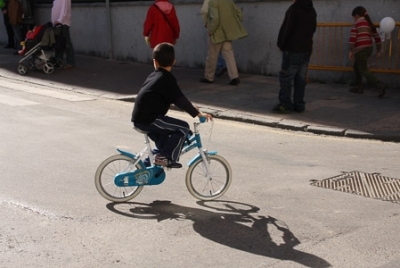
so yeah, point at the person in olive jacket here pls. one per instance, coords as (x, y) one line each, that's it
(224, 24)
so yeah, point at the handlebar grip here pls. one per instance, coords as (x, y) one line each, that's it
(202, 119)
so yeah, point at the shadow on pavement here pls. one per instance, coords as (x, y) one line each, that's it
(230, 224)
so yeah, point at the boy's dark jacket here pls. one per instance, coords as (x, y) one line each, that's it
(298, 27)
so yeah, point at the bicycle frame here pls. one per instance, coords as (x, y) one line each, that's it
(146, 175)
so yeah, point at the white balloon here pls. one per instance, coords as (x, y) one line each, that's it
(387, 25)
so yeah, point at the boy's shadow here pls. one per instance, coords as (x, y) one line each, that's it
(231, 225)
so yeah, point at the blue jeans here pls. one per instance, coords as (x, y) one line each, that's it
(293, 71)
(220, 63)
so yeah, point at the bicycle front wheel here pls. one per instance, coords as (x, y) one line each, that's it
(212, 184)
(104, 178)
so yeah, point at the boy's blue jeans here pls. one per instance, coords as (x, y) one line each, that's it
(293, 72)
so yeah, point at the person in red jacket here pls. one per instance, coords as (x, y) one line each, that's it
(161, 24)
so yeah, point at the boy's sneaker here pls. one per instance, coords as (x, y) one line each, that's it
(280, 109)
(165, 162)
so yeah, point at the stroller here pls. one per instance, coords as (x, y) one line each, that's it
(38, 49)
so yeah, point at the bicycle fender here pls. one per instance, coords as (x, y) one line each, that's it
(130, 155)
(126, 153)
(199, 156)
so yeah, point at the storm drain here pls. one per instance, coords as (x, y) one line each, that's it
(365, 184)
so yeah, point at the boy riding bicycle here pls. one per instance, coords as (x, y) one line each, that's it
(152, 103)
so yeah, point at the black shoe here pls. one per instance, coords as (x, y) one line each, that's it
(280, 109)
(221, 72)
(357, 89)
(15, 53)
(299, 110)
(382, 90)
(165, 162)
(234, 82)
(204, 80)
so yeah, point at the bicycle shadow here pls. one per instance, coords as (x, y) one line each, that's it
(228, 226)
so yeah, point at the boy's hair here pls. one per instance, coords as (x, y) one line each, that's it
(164, 54)
(362, 12)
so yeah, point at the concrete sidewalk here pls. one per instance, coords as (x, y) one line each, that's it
(330, 108)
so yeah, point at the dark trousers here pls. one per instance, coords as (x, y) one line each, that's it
(68, 50)
(361, 68)
(18, 38)
(168, 134)
(10, 32)
(293, 72)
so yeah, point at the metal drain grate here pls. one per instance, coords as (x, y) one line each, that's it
(365, 184)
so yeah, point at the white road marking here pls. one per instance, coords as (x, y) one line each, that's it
(58, 94)
(11, 101)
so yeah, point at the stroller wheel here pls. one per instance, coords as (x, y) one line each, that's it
(23, 70)
(48, 68)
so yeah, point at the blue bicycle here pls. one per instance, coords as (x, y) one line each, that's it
(121, 177)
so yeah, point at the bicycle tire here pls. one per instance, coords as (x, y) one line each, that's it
(104, 179)
(209, 187)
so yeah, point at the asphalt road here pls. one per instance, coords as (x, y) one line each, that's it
(53, 140)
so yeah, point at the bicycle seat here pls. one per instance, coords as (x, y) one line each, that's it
(140, 131)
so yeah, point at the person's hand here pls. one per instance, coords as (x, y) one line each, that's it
(147, 40)
(206, 116)
(351, 55)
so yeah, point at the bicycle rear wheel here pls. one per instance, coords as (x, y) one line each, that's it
(211, 185)
(104, 178)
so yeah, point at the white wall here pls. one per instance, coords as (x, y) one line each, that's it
(256, 54)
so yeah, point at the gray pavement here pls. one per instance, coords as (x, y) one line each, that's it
(330, 108)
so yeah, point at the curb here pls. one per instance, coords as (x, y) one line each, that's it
(286, 124)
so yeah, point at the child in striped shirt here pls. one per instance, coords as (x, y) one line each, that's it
(362, 36)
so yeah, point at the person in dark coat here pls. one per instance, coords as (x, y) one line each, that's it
(9, 29)
(295, 40)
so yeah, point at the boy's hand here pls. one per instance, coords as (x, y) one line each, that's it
(206, 116)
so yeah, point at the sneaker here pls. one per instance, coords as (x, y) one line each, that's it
(234, 82)
(160, 160)
(382, 90)
(205, 80)
(280, 109)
